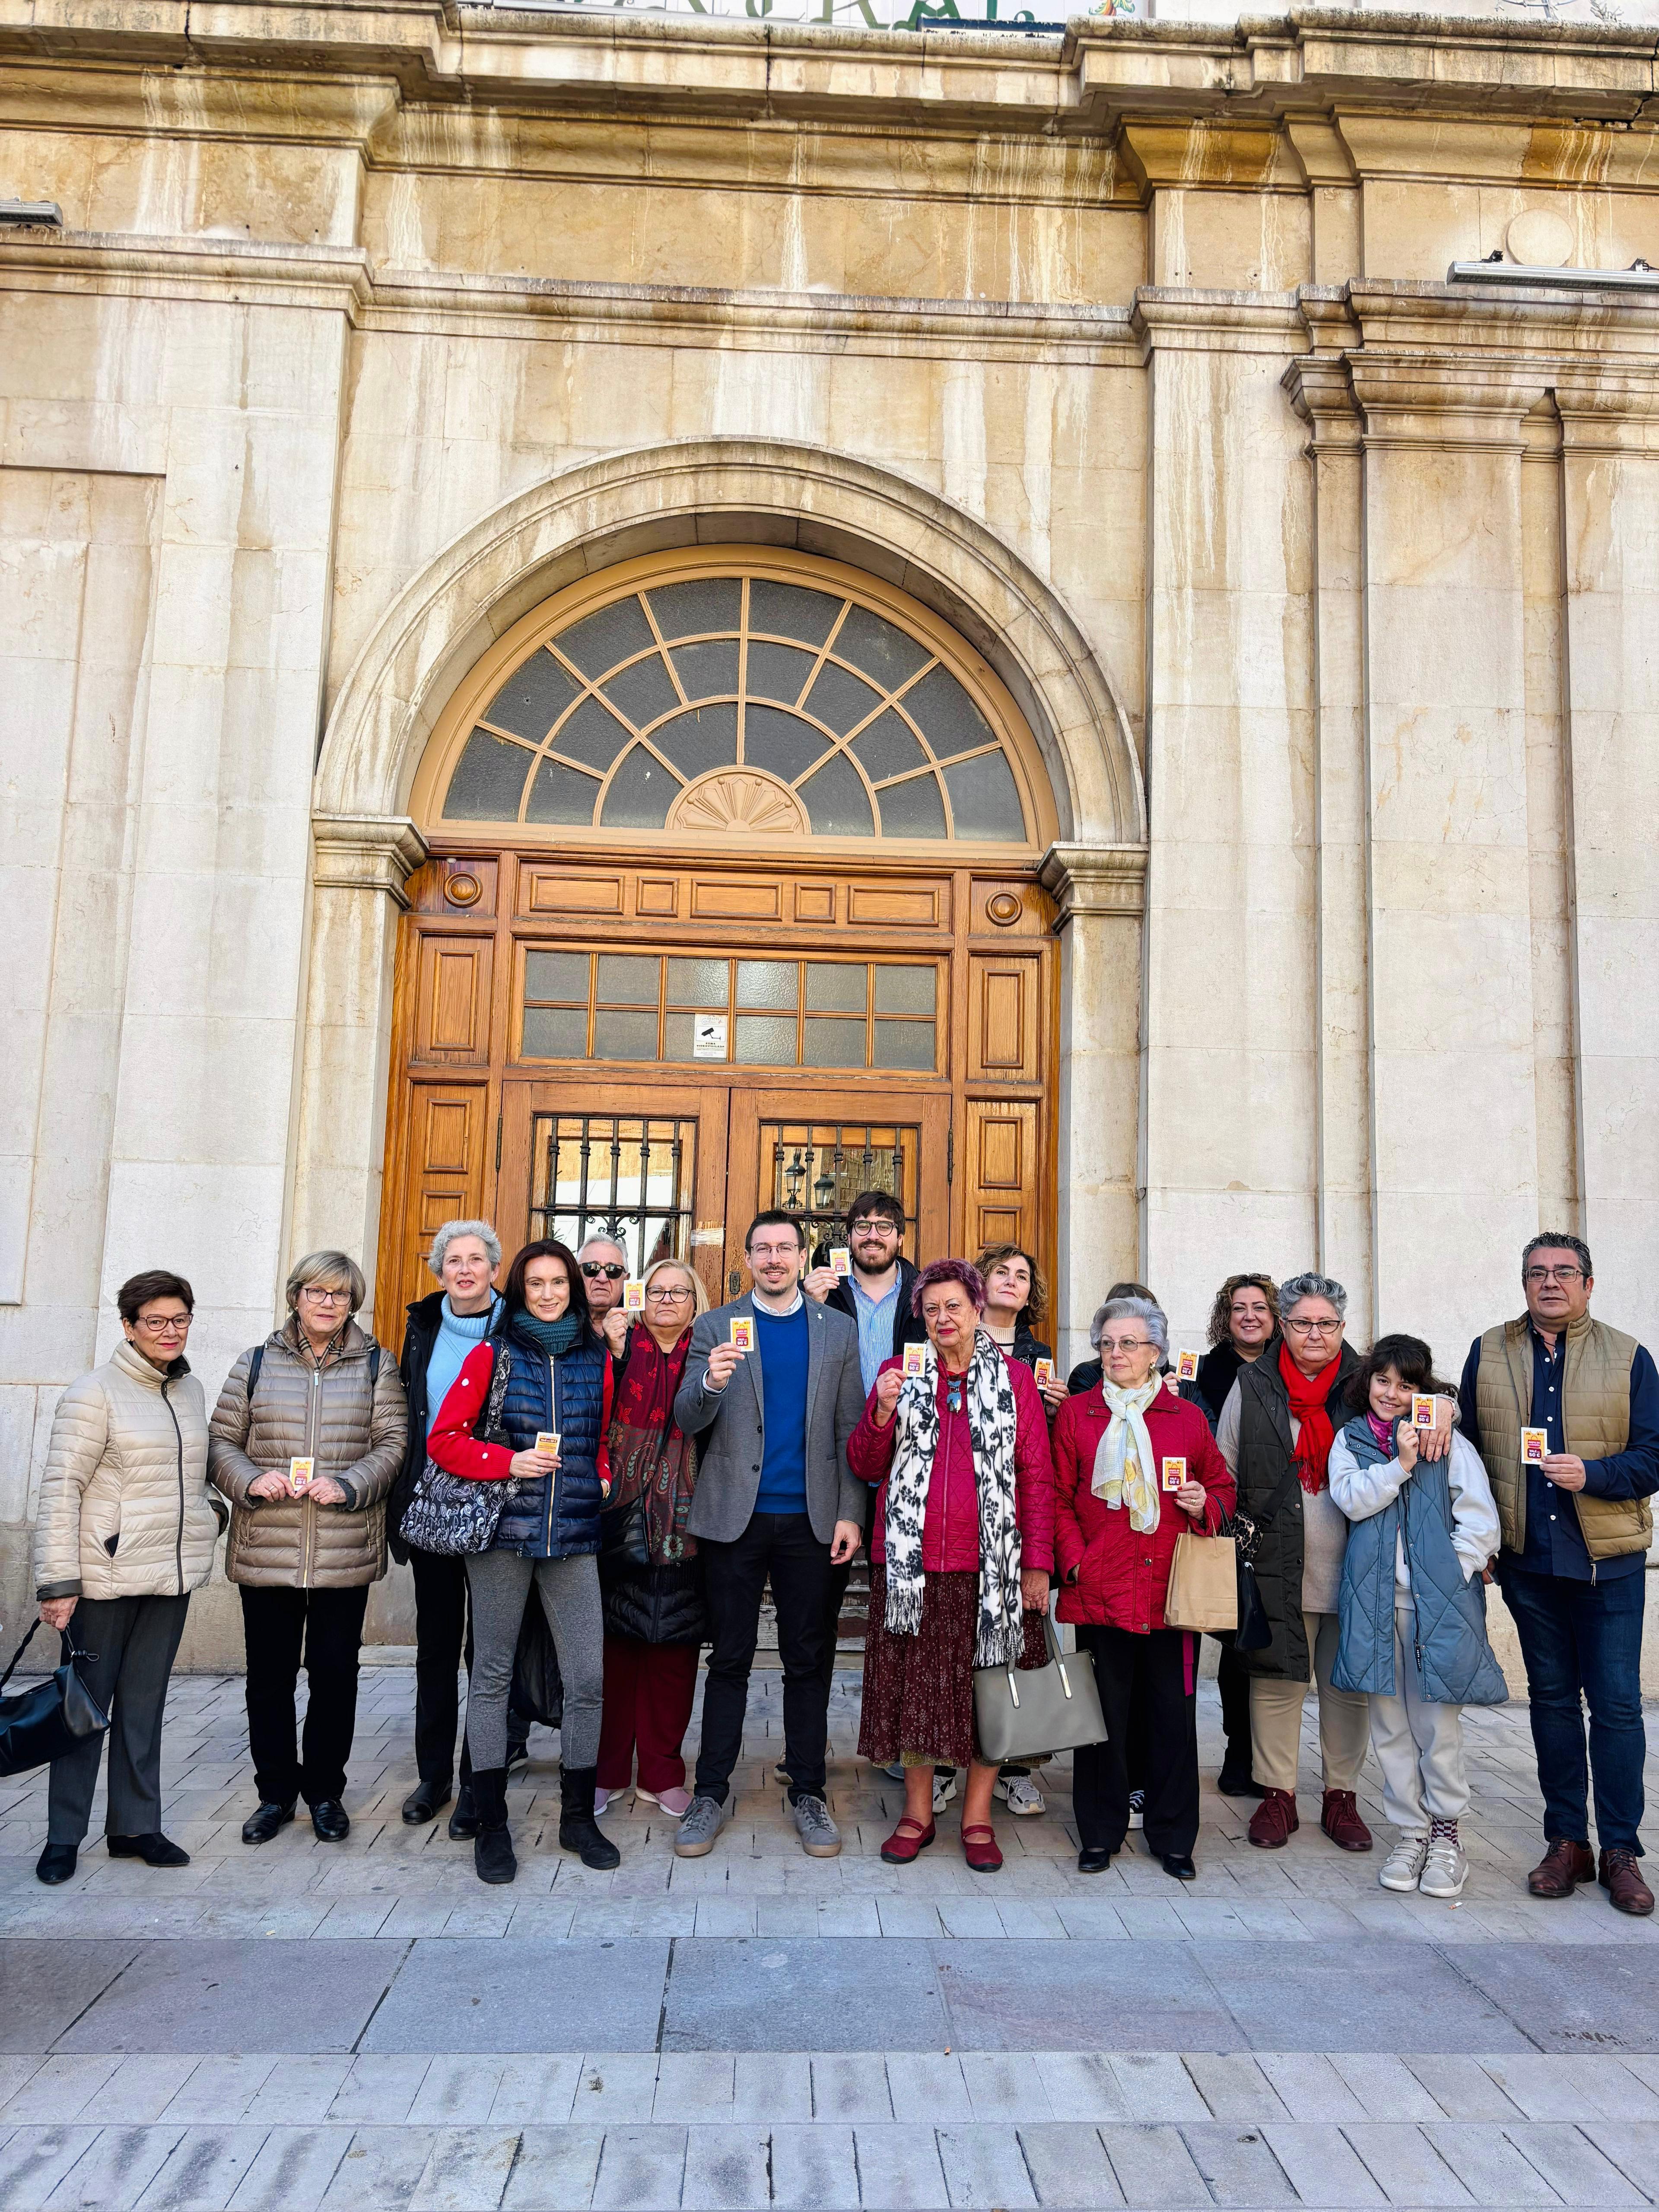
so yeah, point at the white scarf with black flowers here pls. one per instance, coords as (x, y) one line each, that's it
(991, 1422)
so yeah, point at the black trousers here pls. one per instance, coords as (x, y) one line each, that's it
(1150, 1672)
(1233, 1681)
(136, 1640)
(780, 1547)
(443, 1637)
(323, 1631)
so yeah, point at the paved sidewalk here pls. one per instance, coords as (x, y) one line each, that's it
(345, 2026)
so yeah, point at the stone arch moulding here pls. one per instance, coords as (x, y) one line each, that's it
(710, 491)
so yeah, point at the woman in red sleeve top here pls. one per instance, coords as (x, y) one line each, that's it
(1118, 1506)
(961, 1544)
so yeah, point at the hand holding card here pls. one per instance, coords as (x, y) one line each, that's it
(300, 1473)
(915, 1359)
(1186, 1367)
(1535, 1446)
(841, 1260)
(743, 1331)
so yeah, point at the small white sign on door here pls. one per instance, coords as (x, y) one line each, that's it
(708, 1037)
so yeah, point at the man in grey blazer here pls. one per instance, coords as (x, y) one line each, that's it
(774, 1500)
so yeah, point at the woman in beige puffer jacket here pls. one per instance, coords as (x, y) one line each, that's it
(304, 1558)
(125, 1531)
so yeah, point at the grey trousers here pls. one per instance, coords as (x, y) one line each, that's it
(498, 1583)
(136, 1639)
(1419, 1745)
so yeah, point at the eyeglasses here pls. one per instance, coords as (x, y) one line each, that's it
(609, 1268)
(325, 1297)
(880, 1226)
(1125, 1343)
(1314, 1327)
(1553, 1275)
(679, 1297)
(167, 1325)
(774, 1251)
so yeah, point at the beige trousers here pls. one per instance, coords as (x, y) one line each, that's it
(1276, 1719)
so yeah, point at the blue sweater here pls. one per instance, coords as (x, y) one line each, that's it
(457, 1335)
(784, 1350)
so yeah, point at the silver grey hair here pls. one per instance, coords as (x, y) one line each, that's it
(1311, 1285)
(1142, 1309)
(602, 1237)
(452, 1229)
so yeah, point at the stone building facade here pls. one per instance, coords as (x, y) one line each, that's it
(1259, 870)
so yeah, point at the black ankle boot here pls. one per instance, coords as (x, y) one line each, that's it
(492, 1847)
(578, 1831)
(464, 1820)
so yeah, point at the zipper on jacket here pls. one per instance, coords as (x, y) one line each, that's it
(308, 1511)
(553, 1478)
(179, 1442)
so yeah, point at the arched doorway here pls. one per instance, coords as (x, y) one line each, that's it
(732, 900)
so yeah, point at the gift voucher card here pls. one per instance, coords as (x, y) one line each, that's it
(915, 1359)
(300, 1473)
(743, 1331)
(547, 1440)
(633, 1297)
(1535, 1446)
(1044, 1371)
(1422, 1409)
(1186, 1367)
(1175, 1473)
(840, 1259)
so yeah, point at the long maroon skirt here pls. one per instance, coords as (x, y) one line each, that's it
(919, 1690)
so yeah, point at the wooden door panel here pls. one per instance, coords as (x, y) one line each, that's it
(452, 1010)
(1003, 1000)
(448, 1139)
(1003, 1191)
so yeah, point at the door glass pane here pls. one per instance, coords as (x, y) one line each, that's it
(627, 979)
(592, 736)
(903, 990)
(562, 794)
(600, 640)
(709, 669)
(556, 1033)
(643, 691)
(677, 1037)
(879, 647)
(641, 791)
(889, 747)
(698, 982)
(533, 697)
(903, 1044)
(837, 803)
(766, 1041)
(706, 602)
(556, 975)
(768, 983)
(782, 743)
(777, 671)
(984, 798)
(624, 1036)
(831, 1044)
(949, 717)
(841, 698)
(700, 738)
(836, 987)
(489, 781)
(791, 610)
(912, 809)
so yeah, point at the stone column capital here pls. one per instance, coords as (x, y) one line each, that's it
(1320, 390)
(366, 852)
(1096, 879)
(1466, 403)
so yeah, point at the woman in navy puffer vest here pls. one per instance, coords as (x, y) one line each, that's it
(543, 1369)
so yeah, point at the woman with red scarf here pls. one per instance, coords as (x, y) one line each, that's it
(650, 1578)
(1275, 1433)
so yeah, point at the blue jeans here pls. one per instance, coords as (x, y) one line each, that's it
(1583, 1641)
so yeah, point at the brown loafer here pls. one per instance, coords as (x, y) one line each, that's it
(1619, 1874)
(1562, 1867)
(1274, 1821)
(1340, 1818)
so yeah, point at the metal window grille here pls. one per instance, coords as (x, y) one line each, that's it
(626, 1176)
(819, 1168)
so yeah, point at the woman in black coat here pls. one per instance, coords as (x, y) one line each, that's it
(650, 1579)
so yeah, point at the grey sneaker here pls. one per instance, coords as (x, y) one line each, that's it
(1404, 1864)
(820, 1839)
(704, 1818)
(1445, 1869)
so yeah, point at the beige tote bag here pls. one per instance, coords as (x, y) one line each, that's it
(1203, 1591)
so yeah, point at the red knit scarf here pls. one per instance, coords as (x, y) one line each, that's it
(1316, 1436)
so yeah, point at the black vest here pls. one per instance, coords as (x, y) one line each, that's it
(1269, 1493)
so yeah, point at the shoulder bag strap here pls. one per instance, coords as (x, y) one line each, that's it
(18, 1654)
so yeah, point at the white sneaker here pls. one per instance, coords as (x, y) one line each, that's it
(1404, 1864)
(1020, 1795)
(945, 1788)
(1136, 1809)
(1445, 1869)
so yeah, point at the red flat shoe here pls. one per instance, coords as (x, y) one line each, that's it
(906, 1840)
(979, 1848)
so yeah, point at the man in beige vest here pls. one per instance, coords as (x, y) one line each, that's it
(1564, 1411)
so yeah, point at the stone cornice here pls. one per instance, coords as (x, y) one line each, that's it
(365, 853)
(1095, 879)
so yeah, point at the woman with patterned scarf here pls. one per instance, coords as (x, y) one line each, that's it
(650, 1576)
(961, 1543)
(1134, 1466)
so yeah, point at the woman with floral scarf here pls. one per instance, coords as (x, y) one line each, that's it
(1134, 1467)
(650, 1578)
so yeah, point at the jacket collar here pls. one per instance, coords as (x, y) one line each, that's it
(132, 1364)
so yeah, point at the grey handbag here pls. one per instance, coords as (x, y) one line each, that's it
(1021, 1713)
(451, 1513)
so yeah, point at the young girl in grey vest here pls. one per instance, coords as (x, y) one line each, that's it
(1423, 1531)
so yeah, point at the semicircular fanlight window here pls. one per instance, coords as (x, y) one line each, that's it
(650, 699)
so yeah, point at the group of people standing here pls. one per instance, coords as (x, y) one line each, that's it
(644, 1477)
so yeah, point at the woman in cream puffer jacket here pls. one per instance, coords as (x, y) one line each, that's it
(125, 1531)
(304, 1558)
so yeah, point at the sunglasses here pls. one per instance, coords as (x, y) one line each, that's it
(608, 1268)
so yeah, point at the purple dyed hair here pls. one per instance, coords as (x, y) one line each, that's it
(949, 1271)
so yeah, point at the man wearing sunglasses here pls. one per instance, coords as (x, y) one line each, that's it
(604, 1268)
(1576, 1526)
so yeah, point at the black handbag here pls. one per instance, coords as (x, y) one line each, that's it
(41, 1724)
(1252, 1632)
(452, 1514)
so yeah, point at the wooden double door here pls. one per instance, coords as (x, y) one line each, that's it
(658, 1055)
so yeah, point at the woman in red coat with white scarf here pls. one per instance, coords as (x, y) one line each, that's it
(1119, 1507)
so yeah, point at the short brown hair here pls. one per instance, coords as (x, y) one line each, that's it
(872, 1203)
(1037, 1304)
(140, 1290)
(1221, 1311)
